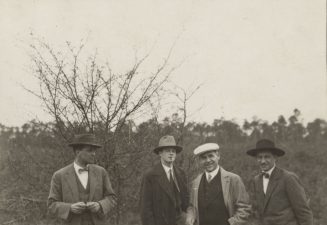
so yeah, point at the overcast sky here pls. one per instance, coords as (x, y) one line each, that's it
(254, 57)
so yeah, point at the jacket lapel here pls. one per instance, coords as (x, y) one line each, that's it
(71, 177)
(93, 181)
(258, 182)
(195, 190)
(225, 182)
(177, 179)
(273, 181)
(163, 180)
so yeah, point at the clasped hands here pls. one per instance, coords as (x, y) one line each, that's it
(80, 207)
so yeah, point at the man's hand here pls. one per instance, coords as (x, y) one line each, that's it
(93, 206)
(78, 207)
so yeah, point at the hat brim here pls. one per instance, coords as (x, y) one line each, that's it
(84, 143)
(176, 147)
(275, 151)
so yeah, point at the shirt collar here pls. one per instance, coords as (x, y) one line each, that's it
(212, 173)
(166, 168)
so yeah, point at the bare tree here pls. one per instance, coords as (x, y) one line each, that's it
(82, 94)
(183, 96)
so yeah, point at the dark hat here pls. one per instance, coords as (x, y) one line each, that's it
(85, 139)
(265, 145)
(167, 141)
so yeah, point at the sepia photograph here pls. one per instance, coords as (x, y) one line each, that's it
(163, 112)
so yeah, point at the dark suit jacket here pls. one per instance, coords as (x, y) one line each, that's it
(156, 201)
(285, 202)
(64, 192)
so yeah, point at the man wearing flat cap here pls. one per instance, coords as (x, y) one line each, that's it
(218, 197)
(277, 194)
(164, 196)
(81, 193)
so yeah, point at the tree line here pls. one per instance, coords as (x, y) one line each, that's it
(31, 153)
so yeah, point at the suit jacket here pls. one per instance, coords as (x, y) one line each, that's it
(285, 202)
(64, 192)
(236, 198)
(156, 199)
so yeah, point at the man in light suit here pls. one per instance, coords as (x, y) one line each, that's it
(81, 193)
(164, 196)
(278, 195)
(217, 196)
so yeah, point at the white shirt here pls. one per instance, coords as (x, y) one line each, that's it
(83, 177)
(211, 174)
(266, 180)
(167, 170)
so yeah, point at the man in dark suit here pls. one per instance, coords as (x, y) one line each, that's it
(164, 196)
(81, 193)
(278, 195)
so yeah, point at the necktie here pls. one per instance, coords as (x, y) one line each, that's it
(81, 170)
(175, 191)
(209, 178)
(172, 180)
(265, 175)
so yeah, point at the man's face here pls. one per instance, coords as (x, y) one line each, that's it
(168, 155)
(266, 160)
(209, 160)
(86, 154)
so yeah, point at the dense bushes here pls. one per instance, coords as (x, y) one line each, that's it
(30, 154)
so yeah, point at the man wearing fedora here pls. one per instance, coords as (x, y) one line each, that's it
(278, 195)
(81, 193)
(164, 196)
(218, 197)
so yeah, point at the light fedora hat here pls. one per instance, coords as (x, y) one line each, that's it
(206, 148)
(265, 145)
(167, 141)
(85, 139)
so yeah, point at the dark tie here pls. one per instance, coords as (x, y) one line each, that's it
(175, 189)
(172, 179)
(81, 170)
(265, 175)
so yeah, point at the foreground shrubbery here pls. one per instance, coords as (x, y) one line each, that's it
(30, 154)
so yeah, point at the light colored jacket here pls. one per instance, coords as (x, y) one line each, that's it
(64, 192)
(236, 198)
